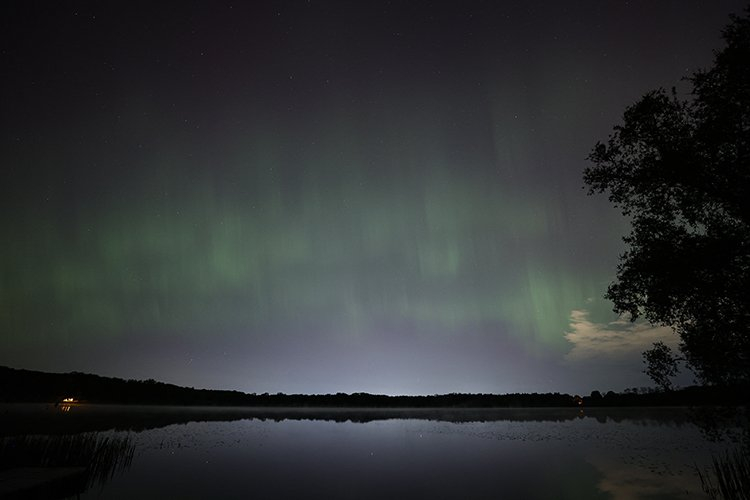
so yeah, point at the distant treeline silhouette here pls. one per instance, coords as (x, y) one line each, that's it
(27, 386)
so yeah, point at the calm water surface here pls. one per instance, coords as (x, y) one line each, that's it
(502, 454)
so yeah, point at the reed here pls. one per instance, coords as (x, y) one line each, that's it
(102, 456)
(729, 477)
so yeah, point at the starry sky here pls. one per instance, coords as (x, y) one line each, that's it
(314, 196)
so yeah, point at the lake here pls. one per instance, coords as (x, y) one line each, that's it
(303, 453)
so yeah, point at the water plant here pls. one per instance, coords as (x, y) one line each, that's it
(98, 456)
(729, 476)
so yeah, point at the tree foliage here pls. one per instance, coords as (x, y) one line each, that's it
(661, 365)
(679, 169)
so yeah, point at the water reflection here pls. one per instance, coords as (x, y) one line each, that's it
(59, 466)
(278, 453)
(49, 419)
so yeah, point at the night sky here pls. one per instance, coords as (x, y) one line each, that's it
(317, 196)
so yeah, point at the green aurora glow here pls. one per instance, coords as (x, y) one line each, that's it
(274, 197)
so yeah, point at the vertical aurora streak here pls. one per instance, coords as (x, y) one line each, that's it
(314, 198)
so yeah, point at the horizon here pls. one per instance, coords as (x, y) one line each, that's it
(586, 393)
(317, 198)
(577, 394)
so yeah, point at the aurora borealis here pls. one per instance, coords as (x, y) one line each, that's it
(325, 196)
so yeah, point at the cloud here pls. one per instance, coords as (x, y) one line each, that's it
(617, 339)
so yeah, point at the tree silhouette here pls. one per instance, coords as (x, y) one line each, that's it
(661, 365)
(680, 170)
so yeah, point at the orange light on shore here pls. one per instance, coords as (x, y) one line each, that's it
(68, 400)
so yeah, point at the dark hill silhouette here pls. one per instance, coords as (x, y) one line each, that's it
(27, 386)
